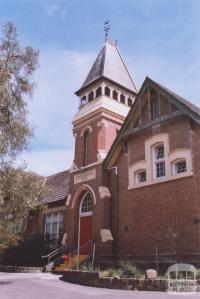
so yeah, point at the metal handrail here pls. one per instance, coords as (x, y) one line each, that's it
(76, 252)
(85, 245)
(56, 251)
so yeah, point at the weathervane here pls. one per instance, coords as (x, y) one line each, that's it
(107, 27)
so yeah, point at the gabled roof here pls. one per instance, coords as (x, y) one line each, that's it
(184, 105)
(110, 65)
(58, 187)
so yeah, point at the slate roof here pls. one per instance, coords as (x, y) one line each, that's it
(109, 64)
(58, 186)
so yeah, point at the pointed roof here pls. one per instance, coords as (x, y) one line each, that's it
(110, 65)
(184, 105)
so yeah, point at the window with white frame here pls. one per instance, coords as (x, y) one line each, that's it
(86, 205)
(180, 166)
(53, 225)
(159, 161)
(140, 176)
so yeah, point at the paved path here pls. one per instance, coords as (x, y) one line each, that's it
(48, 286)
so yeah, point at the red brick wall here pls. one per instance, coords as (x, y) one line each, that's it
(148, 216)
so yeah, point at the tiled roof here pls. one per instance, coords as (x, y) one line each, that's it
(58, 186)
(109, 64)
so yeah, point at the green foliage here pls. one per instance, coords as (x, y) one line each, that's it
(87, 266)
(27, 252)
(17, 65)
(20, 191)
(130, 270)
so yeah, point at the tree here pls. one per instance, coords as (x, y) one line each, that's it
(20, 191)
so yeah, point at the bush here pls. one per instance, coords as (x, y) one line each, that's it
(27, 252)
(130, 270)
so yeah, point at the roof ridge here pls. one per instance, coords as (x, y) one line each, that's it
(55, 174)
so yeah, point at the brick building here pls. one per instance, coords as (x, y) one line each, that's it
(134, 184)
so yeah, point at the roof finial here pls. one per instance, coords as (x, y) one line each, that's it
(107, 27)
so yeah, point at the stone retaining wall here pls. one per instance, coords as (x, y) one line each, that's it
(17, 269)
(95, 280)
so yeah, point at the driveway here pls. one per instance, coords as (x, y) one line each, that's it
(48, 286)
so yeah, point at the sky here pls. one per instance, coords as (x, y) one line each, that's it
(157, 38)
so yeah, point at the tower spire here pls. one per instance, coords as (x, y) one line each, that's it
(107, 27)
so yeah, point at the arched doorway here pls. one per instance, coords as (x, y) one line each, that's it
(85, 223)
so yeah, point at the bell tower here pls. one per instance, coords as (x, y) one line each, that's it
(104, 101)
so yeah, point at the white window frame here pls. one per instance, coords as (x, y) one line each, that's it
(158, 160)
(59, 221)
(174, 165)
(170, 159)
(89, 213)
(137, 174)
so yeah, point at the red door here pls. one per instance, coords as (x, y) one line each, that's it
(85, 233)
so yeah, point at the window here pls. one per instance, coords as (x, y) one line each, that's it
(107, 91)
(122, 99)
(91, 96)
(155, 111)
(159, 158)
(140, 176)
(85, 147)
(86, 205)
(130, 102)
(83, 100)
(98, 92)
(53, 225)
(180, 166)
(115, 95)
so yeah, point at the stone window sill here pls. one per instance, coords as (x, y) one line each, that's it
(160, 180)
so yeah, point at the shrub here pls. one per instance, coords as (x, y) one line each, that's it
(130, 270)
(27, 252)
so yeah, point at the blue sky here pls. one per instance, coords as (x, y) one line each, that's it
(158, 38)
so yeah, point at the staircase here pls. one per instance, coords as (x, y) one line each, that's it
(63, 258)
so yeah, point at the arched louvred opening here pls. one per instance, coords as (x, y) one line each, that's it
(107, 91)
(122, 99)
(85, 147)
(155, 107)
(83, 100)
(91, 96)
(130, 102)
(115, 95)
(98, 92)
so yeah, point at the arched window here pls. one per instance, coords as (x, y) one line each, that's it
(91, 96)
(107, 91)
(140, 176)
(122, 99)
(98, 92)
(85, 147)
(83, 100)
(86, 204)
(180, 166)
(130, 102)
(115, 95)
(159, 160)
